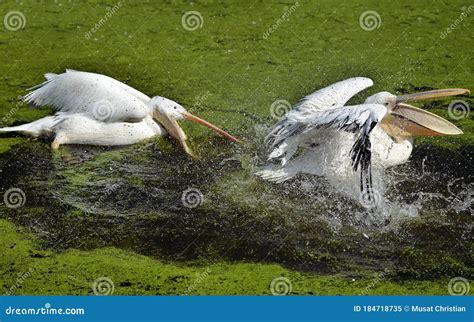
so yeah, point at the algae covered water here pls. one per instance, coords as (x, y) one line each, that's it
(136, 213)
(216, 207)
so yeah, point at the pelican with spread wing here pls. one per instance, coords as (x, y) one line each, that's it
(98, 110)
(324, 137)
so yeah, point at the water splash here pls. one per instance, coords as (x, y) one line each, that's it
(132, 198)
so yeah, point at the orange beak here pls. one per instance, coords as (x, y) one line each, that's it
(220, 131)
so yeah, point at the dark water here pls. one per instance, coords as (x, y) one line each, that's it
(132, 198)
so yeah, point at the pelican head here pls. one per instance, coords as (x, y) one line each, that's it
(404, 120)
(168, 112)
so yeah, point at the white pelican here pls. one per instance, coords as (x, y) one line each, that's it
(321, 136)
(98, 110)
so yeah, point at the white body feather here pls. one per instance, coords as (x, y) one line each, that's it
(80, 129)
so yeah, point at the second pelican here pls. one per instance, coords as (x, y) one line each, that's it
(322, 136)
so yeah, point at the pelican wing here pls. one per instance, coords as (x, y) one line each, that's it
(358, 119)
(97, 96)
(334, 95)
